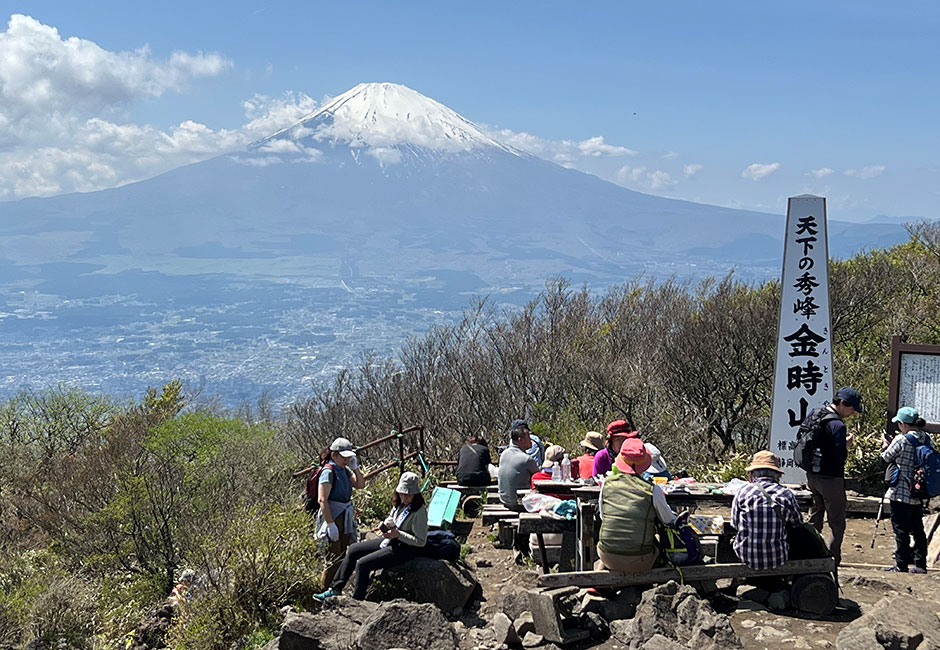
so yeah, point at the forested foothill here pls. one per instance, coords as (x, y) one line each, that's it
(102, 503)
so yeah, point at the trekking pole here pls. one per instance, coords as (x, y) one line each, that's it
(881, 506)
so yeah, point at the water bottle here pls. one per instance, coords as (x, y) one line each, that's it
(566, 468)
(817, 461)
(556, 472)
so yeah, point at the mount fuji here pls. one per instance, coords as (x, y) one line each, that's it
(376, 216)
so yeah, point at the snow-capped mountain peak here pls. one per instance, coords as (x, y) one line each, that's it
(385, 116)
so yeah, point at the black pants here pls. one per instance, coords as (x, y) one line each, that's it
(908, 521)
(365, 557)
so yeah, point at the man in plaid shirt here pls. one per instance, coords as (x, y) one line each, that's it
(761, 512)
(907, 511)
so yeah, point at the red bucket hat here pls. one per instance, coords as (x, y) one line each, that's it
(633, 457)
(622, 429)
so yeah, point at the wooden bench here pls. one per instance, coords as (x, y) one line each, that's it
(495, 513)
(813, 591)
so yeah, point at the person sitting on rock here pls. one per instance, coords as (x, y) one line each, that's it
(473, 463)
(404, 533)
(593, 442)
(516, 467)
(761, 512)
(628, 508)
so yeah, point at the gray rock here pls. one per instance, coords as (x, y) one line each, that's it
(622, 630)
(621, 606)
(273, 644)
(659, 642)
(595, 625)
(334, 627)
(531, 640)
(524, 624)
(424, 580)
(895, 622)
(400, 623)
(512, 600)
(756, 594)
(505, 630)
(678, 613)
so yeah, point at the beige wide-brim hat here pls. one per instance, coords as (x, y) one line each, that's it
(764, 460)
(554, 454)
(593, 440)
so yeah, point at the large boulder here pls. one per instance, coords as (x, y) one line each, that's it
(403, 624)
(895, 622)
(679, 614)
(334, 627)
(423, 580)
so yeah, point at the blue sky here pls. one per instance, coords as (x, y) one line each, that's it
(739, 104)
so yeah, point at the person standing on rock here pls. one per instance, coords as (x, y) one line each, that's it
(404, 533)
(516, 466)
(761, 512)
(628, 507)
(335, 524)
(907, 511)
(827, 484)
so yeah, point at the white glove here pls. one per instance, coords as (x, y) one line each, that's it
(353, 463)
(332, 532)
(390, 523)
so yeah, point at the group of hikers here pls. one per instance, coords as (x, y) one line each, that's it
(632, 505)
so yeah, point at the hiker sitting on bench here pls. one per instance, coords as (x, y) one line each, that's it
(473, 463)
(628, 507)
(761, 512)
(404, 534)
(516, 467)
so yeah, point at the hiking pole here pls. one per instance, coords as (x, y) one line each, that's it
(881, 506)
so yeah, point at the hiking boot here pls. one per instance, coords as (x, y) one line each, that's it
(896, 569)
(917, 569)
(329, 593)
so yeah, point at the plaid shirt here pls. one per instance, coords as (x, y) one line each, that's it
(761, 540)
(901, 453)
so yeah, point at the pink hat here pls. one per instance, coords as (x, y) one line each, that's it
(633, 457)
(622, 429)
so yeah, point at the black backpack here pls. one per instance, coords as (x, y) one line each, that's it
(441, 545)
(809, 435)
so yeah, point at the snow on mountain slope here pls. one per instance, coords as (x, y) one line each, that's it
(383, 118)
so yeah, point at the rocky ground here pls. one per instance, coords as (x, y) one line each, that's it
(876, 609)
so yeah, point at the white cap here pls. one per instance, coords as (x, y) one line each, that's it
(344, 447)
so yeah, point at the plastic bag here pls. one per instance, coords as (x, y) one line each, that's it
(534, 501)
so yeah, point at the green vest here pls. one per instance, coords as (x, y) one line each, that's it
(628, 520)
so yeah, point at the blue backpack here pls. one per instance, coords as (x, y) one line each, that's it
(926, 480)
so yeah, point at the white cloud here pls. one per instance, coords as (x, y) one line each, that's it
(822, 172)
(640, 178)
(41, 71)
(866, 172)
(691, 170)
(757, 171)
(563, 152)
(385, 155)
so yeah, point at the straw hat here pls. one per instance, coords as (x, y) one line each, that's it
(764, 460)
(593, 440)
(633, 457)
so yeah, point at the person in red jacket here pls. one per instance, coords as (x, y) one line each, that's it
(593, 442)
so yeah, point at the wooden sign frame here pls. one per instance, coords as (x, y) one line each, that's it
(894, 387)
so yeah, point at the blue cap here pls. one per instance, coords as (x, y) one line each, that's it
(851, 397)
(907, 415)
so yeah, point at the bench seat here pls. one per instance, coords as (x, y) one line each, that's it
(689, 574)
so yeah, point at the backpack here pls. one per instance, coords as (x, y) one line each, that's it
(925, 483)
(312, 490)
(807, 438)
(441, 545)
(679, 544)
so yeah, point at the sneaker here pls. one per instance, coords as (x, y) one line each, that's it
(896, 569)
(917, 569)
(329, 593)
